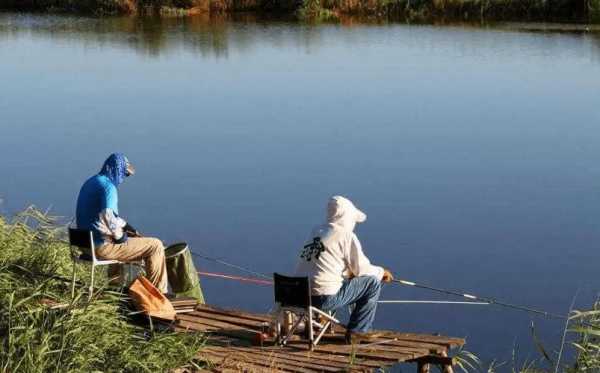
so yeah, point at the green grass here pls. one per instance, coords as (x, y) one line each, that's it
(75, 335)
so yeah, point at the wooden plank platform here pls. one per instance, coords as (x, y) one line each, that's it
(236, 342)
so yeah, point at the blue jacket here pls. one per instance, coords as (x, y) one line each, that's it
(98, 202)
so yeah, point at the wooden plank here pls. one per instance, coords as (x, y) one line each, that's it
(406, 345)
(258, 325)
(185, 329)
(230, 333)
(319, 360)
(185, 301)
(183, 324)
(448, 341)
(218, 324)
(348, 351)
(327, 356)
(395, 342)
(409, 337)
(430, 338)
(236, 333)
(224, 370)
(421, 345)
(237, 360)
(225, 363)
(282, 353)
(400, 349)
(424, 336)
(222, 340)
(281, 360)
(346, 359)
(272, 365)
(359, 362)
(184, 310)
(241, 314)
(432, 343)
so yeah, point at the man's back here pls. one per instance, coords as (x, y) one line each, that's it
(97, 194)
(323, 258)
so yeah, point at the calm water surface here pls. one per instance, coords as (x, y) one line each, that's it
(475, 152)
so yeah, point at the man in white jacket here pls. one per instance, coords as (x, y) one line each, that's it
(339, 271)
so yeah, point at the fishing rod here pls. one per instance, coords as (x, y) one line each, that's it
(431, 302)
(474, 299)
(482, 299)
(270, 283)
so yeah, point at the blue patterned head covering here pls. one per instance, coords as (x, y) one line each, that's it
(115, 168)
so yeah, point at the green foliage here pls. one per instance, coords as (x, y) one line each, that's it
(593, 9)
(585, 326)
(467, 361)
(588, 345)
(312, 10)
(96, 7)
(43, 329)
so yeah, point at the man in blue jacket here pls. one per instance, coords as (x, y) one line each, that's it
(114, 238)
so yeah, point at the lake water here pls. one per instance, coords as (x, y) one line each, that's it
(474, 151)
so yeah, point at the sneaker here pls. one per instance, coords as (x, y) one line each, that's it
(357, 337)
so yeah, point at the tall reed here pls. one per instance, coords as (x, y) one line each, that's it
(42, 329)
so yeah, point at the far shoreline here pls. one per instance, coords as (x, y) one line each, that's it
(575, 15)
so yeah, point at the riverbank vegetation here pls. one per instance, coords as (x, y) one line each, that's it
(583, 11)
(44, 329)
(578, 352)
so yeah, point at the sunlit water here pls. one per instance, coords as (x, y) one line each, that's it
(475, 152)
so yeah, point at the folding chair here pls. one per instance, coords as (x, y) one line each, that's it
(84, 239)
(293, 295)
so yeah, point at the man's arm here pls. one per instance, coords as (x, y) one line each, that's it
(111, 226)
(359, 264)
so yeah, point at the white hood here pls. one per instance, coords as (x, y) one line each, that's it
(341, 211)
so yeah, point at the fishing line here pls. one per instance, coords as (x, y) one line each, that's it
(236, 278)
(482, 299)
(430, 302)
(231, 265)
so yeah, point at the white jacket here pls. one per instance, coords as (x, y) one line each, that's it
(334, 252)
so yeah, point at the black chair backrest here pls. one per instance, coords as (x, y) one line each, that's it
(292, 291)
(80, 238)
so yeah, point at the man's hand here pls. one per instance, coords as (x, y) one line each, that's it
(133, 234)
(131, 231)
(387, 276)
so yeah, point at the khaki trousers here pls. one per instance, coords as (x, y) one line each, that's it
(151, 250)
